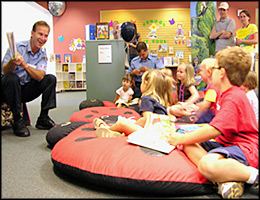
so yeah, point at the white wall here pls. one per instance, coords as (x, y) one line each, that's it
(19, 17)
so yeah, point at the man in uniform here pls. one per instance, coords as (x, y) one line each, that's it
(24, 79)
(143, 62)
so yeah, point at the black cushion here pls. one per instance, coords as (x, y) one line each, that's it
(90, 103)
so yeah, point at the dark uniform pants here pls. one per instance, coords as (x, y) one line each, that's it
(14, 94)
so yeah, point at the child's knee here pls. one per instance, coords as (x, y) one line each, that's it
(207, 166)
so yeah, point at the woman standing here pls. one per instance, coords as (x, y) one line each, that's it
(247, 36)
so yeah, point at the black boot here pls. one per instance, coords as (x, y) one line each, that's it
(20, 128)
(45, 123)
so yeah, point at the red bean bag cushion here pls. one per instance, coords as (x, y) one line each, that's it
(109, 104)
(113, 162)
(88, 114)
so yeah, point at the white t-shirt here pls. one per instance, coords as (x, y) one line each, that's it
(124, 96)
(251, 95)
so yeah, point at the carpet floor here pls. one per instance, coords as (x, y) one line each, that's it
(28, 172)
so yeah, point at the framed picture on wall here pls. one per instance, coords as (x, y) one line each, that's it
(102, 31)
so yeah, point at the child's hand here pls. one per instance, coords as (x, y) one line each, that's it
(178, 110)
(190, 107)
(172, 138)
(129, 99)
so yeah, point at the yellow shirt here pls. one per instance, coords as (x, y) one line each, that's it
(210, 95)
(245, 34)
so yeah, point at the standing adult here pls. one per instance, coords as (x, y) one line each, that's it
(247, 36)
(223, 30)
(142, 63)
(25, 79)
(132, 46)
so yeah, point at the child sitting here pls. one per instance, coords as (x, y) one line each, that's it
(186, 90)
(156, 88)
(248, 86)
(125, 93)
(207, 108)
(231, 158)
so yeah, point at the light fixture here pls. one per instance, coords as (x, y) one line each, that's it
(56, 8)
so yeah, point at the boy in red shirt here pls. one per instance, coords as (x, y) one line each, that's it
(226, 150)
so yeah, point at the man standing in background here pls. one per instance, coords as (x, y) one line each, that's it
(223, 30)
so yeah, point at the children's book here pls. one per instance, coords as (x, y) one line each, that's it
(167, 61)
(79, 67)
(156, 128)
(72, 84)
(66, 84)
(65, 67)
(186, 128)
(12, 44)
(90, 31)
(175, 61)
(57, 58)
(163, 48)
(79, 84)
(72, 76)
(67, 58)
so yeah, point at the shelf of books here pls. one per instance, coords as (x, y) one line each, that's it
(71, 76)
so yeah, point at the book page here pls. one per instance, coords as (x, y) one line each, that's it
(156, 127)
(12, 44)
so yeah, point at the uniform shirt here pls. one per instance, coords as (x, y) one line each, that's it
(39, 59)
(152, 62)
(229, 25)
(235, 119)
(245, 34)
(150, 104)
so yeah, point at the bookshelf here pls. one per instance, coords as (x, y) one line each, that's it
(70, 76)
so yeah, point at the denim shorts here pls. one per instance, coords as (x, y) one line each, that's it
(229, 152)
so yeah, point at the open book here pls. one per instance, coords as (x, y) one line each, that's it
(12, 44)
(155, 129)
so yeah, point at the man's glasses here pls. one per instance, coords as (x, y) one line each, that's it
(214, 67)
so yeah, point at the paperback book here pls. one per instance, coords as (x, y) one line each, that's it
(79, 84)
(154, 133)
(12, 44)
(72, 76)
(79, 67)
(67, 58)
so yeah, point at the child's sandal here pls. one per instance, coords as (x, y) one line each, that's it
(97, 122)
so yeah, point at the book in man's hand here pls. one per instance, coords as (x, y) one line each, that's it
(12, 44)
(156, 128)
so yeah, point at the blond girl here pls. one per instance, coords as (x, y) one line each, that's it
(186, 90)
(156, 88)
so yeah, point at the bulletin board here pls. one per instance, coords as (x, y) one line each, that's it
(159, 29)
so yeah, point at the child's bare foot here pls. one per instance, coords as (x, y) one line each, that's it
(106, 132)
